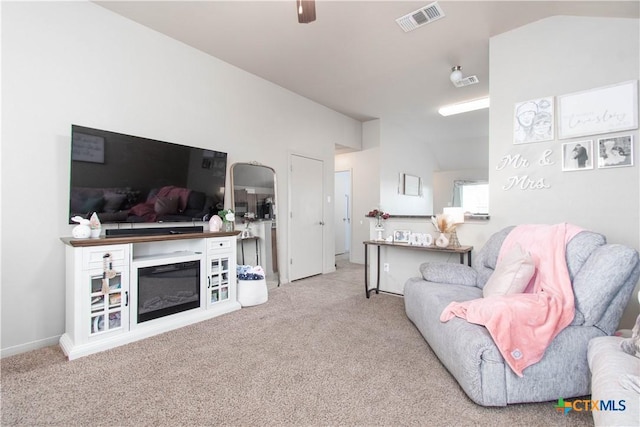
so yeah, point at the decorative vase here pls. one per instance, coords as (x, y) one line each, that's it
(379, 222)
(228, 226)
(215, 223)
(379, 229)
(442, 241)
(95, 225)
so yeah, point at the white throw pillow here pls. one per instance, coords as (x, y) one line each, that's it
(512, 274)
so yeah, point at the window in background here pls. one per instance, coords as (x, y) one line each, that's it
(472, 196)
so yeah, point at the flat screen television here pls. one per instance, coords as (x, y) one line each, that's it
(130, 179)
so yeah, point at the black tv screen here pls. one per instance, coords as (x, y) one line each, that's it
(129, 179)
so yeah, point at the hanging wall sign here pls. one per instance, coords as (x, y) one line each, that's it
(603, 110)
(524, 181)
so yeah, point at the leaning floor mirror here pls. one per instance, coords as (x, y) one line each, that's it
(254, 201)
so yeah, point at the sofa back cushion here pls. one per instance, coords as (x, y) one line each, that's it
(603, 285)
(578, 251)
(580, 248)
(603, 275)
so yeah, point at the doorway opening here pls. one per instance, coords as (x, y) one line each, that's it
(342, 216)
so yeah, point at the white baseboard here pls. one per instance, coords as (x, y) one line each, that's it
(33, 345)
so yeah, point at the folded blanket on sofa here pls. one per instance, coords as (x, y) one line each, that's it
(522, 325)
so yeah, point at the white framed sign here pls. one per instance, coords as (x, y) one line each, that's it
(606, 109)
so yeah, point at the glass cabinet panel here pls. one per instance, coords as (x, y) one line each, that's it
(105, 306)
(218, 286)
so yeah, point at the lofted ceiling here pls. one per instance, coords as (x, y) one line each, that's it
(355, 58)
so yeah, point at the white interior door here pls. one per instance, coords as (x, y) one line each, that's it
(305, 217)
(342, 214)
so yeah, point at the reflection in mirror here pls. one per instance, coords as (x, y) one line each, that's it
(472, 196)
(254, 201)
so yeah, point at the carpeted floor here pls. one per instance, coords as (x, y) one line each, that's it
(317, 353)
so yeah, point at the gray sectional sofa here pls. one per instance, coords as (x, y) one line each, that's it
(603, 277)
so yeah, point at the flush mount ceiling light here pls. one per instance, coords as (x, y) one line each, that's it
(306, 11)
(463, 107)
(458, 80)
(456, 74)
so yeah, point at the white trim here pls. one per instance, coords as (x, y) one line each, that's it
(33, 345)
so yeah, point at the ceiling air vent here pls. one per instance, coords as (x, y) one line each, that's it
(471, 80)
(424, 15)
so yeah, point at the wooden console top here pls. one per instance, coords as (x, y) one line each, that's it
(101, 241)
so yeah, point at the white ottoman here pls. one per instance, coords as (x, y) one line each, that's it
(252, 292)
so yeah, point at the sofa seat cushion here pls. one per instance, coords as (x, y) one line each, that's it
(461, 346)
(610, 370)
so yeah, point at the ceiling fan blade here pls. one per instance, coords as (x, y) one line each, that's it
(306, 11)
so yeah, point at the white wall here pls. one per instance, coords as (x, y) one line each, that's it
(69, 63)
(553, 57)
(443, 185)
(365, 177)
(403, 153)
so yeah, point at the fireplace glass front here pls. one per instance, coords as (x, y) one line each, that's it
(168, 289)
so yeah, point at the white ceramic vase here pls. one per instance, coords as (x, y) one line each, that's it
(442, 241)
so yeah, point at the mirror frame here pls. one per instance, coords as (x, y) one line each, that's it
(274, 221)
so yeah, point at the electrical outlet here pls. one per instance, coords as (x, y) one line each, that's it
(386, 267)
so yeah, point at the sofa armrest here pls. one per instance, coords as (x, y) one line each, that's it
(444, 272)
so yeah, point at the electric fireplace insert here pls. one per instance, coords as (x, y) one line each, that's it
(168, 289)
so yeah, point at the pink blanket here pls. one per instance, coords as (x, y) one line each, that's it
(523, 325)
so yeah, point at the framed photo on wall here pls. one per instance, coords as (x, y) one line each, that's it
(615, 151)
(533, 121)
(577, 155)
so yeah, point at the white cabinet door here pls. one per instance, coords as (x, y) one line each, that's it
(220, 270)
(105, 292)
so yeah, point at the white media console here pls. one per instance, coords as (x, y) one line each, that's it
(123, 289)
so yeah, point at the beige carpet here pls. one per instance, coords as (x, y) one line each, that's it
(317, 353)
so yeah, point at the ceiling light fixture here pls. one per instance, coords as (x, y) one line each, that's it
(456, 74)
(459, 80)
(306, 11)
(463, 107)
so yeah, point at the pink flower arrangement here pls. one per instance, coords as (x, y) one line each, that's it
(378, 214)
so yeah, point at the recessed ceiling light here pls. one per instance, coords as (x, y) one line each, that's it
(463, 107)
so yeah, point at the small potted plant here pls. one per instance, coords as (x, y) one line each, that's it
(228, 219)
